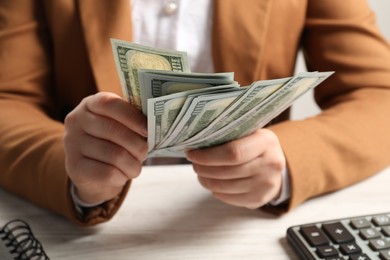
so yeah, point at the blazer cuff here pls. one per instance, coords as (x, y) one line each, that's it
(93, 214)
(79, 204)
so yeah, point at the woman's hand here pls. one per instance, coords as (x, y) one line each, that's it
(246, 172)
(105, 145)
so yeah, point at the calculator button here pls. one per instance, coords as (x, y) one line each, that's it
(350, 248)
(326, 251)
(379, 244)
(385, 254)
(381, 220)
(338, 233)
(335, 258)
(369, 233)
(360, 223)
(386, 231)
(359, 257)
(314, 236)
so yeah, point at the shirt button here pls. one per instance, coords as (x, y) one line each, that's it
(170, 7)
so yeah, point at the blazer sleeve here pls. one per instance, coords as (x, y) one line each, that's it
(31, 136)
(349, 141)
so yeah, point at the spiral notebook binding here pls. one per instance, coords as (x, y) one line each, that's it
(21, 242)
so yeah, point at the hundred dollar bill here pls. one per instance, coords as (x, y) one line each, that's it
(164, 111)
(264, 112)
(280, 103)
(193, 94)
(130, 57)
(254, 94)
(201, 112)
(257, 117)
(155, 83)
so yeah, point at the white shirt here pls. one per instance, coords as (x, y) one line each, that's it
(183, 25)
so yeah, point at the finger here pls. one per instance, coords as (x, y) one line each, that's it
(113, 106)
(273, 160)
(235, 152)
(98, 195)
(247, 200)
(261, 189)
(91, 173)
(113, 131)
(235, 186)
(224, 172)
(110, 153)
(89, 176)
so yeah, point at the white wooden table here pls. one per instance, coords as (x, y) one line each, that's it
(168, 215)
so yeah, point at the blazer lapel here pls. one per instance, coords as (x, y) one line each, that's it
(102, 20)
(239, 30)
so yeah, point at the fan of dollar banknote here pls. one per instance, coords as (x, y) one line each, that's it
(188, 110)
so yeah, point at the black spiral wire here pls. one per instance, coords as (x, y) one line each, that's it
(19, 238)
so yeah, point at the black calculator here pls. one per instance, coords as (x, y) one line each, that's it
(358, 237)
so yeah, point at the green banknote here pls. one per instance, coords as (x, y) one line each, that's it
(131, 57)
(187, 110)
(156, 83)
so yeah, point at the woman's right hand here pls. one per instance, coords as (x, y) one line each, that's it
(105, 145)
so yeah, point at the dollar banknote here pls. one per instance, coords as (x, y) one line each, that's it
(265, 111)
(164, 112)
(201, 111)
(157, 83)
(131, 57)
(254, 95)
(255, 118)
(187, 110)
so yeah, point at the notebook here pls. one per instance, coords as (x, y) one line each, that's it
(17, 241)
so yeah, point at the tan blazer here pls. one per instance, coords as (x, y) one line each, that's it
(54, 53)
